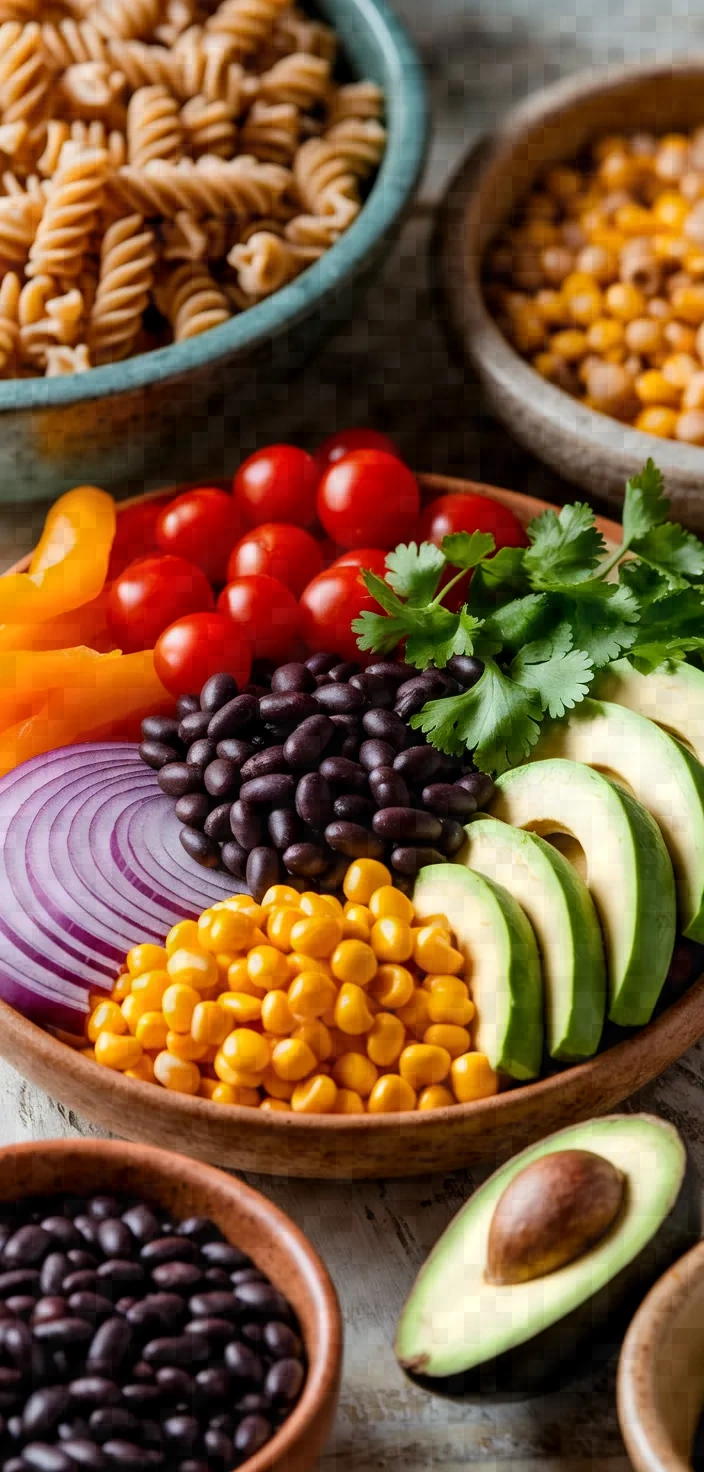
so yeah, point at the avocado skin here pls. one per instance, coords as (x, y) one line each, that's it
(592, 1332)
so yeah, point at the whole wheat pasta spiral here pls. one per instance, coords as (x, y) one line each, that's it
(132, 19)
(19, 219)
(72, 41)
(295, 31)
(62, 361)
(356, 100)
(70, 216)
(209, 127)
(212, 186)
(178, 16)
(91, 89)
(127, 264)
(24, 76)
(272, 131)
(204, 65)
(299, 79)
(154, 128)
(10, 289)
(248, 23)
(326, 170)
(194, 302)
(263, 264)
(142, 65)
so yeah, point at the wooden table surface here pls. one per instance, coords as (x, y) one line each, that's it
(391, 368)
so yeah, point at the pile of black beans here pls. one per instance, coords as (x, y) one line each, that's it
(131, 1342)
(315, 768)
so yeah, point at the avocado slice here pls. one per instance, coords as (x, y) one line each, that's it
(625, 865)
(459, 1333)
(656, 769)
(503, 966)
(672, 696)
(563, 918)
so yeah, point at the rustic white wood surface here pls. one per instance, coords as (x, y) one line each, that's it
(391, 368)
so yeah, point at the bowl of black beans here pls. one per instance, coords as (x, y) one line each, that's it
(156, 1315)
(312, 765)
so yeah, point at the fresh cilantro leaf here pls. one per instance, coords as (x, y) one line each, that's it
(466, 550)
(672, 551)
(559, 674)
(377, 634)
(645, 505)
(497, 720)
(602, 616)
(432, 633)
(499, 578)
(515, 624)
(414, 572)
(646, 584)
(670, 625)
(452, 633)
(647, 657)
(565, 547)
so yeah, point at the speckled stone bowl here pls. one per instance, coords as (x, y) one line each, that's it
(127, 419)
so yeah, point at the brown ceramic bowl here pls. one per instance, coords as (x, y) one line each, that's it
(661, 1370)
(184, 1188)
(360, 1146)
(589, 449)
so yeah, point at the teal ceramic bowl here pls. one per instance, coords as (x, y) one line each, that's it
(151, 413)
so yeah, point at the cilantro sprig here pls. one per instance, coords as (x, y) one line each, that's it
(544, 619)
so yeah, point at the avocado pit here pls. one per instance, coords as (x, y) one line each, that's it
(551, 1213)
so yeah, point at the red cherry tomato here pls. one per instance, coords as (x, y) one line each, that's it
(202, 525)
(470, 514)
(328, 606)
(198, 646)
(369, 557)
(347, 440)
(150, 594)
(281, 551)
(266, 613)
(369, 496)
(277, 484)
(135, 534)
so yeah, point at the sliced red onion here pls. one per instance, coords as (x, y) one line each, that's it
(90, 864)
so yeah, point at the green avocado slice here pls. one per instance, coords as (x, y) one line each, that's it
(626, 869)
(564, 920)
(458, 1332)
(503, 966)
(672, 697)
(665, 778)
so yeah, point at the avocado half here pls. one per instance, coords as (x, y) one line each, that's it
(461, 1335)
(672, 696)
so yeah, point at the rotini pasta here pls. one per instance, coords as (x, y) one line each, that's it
(164, 163)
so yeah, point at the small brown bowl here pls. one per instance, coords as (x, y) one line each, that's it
(661, 1370)
(588, 448)
(185, 1188)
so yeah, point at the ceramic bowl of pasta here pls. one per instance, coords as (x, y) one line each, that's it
(193, 193)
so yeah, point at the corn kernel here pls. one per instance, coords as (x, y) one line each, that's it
(278, 895)
(193, 967)
(182, 1045)
(150, 987)
(625, 301)
(312, 994)
(274, 1106)
(152, 1030)
(317, 1036)
(229, 1094)
(178, 1005)
(122, 988)
(280, 924)
(392, 940)
(210, 1024)
(694, 392)
(316, 935)
(671, 210)
(246, 1050)
(554, 312)
(455, 1040)
(348, 1101)
(238, 1078)
(132, 1009)
(362, 878)
(352, 1014)
(278, 1088)
(143, 1070)
(228, 930)
(297, 964)
(114, 1050)
(182, 937)
(433, 951)
(421, 1064)
(473, 1078)
(415, 1015)
(242, 902)
(391, 1095)
(146, 958)
(355, 1071)
(653, 388)
(449, 1001)
(643, 335)
(292, 1059)
(177, 1074)
(276, 1014)
(354, 960)
(320, 904)
(315, 1095)
(240, 1007)
(385, 1040)
(688, 304)
(356, 922)
(392, 987)
(690, 427)
(207, 1087)
(656, 419)
(267, 968)
(107, 1017)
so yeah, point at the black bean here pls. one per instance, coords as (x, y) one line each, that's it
(339, 699)
(55, 1269)
(452, 838)
(204, 850)
(247, 825)
(217, 823)
(344, 773)
(263, 871)
(176, 1277)
(160, 728)
(193, 727)
(409, 860)
(234, 750)
(350, 747)
(141, 1222)
(118, 1271)
(218, 691)
(385, 725)
(21, 1304)
(284, 828)
(44, 1458)
(248, 1274)
(216, 1331)
(221, 778)
(157, 1310)
(212, 1384)
(201, 754)
(62, 1230)
(185, 704)
(263, 763)
(388, 788)
(449, 801)
(352, 840)
(182, 1432)
(234, 717)
(192, 810)
(174, 1384)
(390, 669)
(406, 825)
(284, 1381)
(234, 858)
(221, 1305)
(305, 860)
(292, 676)
(94, 1390)
(304, 748)
(43, 1409)
(480, 787)
(262, 1297)
(182, 1349)
(466, 669)
(168, 1249)
(281, 1340)
(177, 779)
(79, 1256)
(85, 1279)
(378, 692)
(27, 1247)
(110, 1421)
(110, 1345)
(418, 764)
(219, 1446)
(124, 1454)
(19, 1280)
(115, 1238)
(252, 1434)
(340, 673)
(224, 1255)
(84, 1453)
(375, 753)
(89, 1305)
(287, 705)
(143, 1371)
(243, 1363)
(14, 1464)
(194, 1464)
(353, 808)
(314, 801)
(278, 789)
(319, 664)
(156, 754)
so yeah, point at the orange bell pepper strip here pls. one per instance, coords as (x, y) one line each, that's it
(87, 626)
(121, 687)
(27, 676)
(70, 564)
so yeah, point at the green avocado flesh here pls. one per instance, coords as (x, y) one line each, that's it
(625, 867)
(673, 697)
(656, 769)
(503, 966)
(455, 1321)
(564, 921)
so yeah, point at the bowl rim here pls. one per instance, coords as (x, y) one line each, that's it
(325, 1360)
(391, 193)
(460, 269)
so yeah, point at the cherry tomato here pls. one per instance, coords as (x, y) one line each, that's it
(328, 606)
(346, 440)
(198, 646)
(266, 613)
(135, 534)
(202, 525)
(470, 514)
(282, 551)
(369, 557)
(369, 496)
(277, 484)
(150, 594)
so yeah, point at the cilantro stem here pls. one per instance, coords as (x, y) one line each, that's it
(437, 600)
(611, 562)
